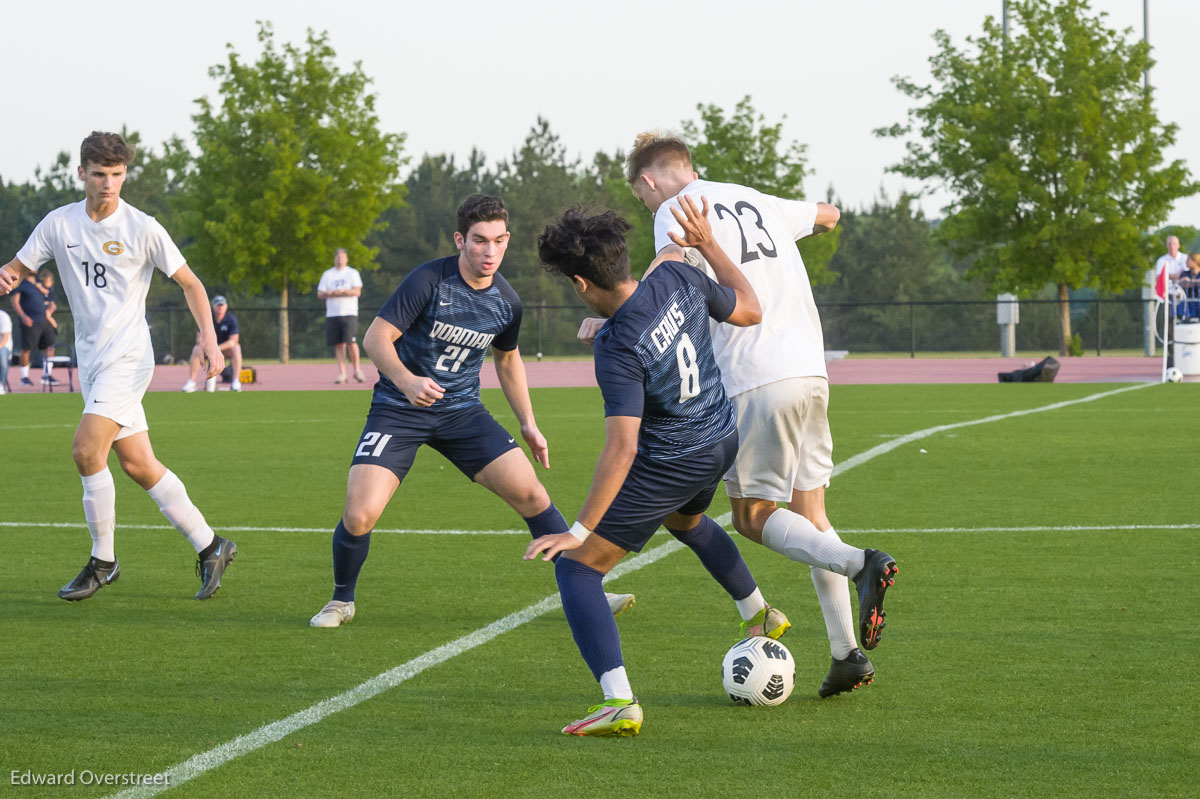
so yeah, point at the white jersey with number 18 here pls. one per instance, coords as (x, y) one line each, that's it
(757, 231)
(105, 269)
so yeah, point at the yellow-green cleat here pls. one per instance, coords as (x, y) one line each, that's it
(619, 603)
(615, 717)
(769, 622)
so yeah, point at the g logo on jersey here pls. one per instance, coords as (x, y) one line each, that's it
(113, 247)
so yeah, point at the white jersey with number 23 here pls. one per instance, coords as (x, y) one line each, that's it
(757, 231)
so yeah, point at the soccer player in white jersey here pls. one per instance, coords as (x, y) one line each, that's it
(775, 375)
(106, 252)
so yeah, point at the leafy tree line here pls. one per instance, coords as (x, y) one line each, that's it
(1048, 145)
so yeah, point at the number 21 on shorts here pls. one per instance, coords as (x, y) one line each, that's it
(372, 445)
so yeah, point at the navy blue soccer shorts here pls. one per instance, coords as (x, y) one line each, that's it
(468, 437)
(655, 489)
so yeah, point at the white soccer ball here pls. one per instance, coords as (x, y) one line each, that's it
(1174, 375)
(758, 671)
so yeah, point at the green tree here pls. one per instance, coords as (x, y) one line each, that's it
(742, 148)
(291, 165)
(1051, 149)
(423, 227)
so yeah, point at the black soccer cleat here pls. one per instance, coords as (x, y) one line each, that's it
(25, 381)
(210, 567)
(93, 577)
(846, 675)
(878, 574)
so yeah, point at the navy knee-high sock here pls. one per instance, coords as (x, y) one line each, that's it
(720, 556)
(591, 620)
(548, 522)
(349, 552)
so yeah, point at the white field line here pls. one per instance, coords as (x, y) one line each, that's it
(269, 733)
(723, 520)
(218, 756)
(888, 446)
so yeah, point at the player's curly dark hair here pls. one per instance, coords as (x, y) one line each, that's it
(591, 245)
(105, 149)
(480, 208)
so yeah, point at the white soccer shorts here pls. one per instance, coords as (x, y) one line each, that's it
(785, 443)
(116, 393)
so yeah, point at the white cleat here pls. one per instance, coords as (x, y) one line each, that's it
(334, 614)
(189, 387)
(619, 603)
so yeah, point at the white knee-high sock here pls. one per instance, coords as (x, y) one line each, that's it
(749, 607)
(833, 592)
(615, 684)
(172, 499)
(796, 538)
(100, 510)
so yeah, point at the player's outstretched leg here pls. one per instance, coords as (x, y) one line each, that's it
(721, 556)
(551, 522)
(595, 633)
(349, 554)
(213, 553)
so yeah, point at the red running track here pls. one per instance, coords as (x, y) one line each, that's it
(563, 374)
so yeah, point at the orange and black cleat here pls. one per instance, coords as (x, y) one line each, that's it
(878, 574)
(846, 675)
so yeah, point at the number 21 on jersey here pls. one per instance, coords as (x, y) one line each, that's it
(372, 445)
(452, 359)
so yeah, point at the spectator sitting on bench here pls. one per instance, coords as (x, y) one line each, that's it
(227, 339)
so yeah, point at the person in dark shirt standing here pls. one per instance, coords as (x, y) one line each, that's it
(429, 342)
(670, 433)
(33, 300)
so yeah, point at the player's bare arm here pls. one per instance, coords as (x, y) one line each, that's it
(827, 218)
(380, 345)
(697, 233)
(197, 300)
(510, 371)
(612, 467)
(11, 275)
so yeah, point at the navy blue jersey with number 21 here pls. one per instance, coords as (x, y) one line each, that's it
(447, 327)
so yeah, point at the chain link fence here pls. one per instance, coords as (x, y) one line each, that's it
(549, 330)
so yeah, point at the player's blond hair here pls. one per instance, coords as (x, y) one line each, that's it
(655, 148)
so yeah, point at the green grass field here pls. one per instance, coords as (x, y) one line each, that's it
(1030, 651)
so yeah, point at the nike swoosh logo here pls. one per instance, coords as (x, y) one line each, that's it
(97, 402)
(72, 246)
(443, 303)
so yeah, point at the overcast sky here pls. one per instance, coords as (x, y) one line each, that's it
(457, 75)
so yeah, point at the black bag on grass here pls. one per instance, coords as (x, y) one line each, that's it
(1044, 371)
